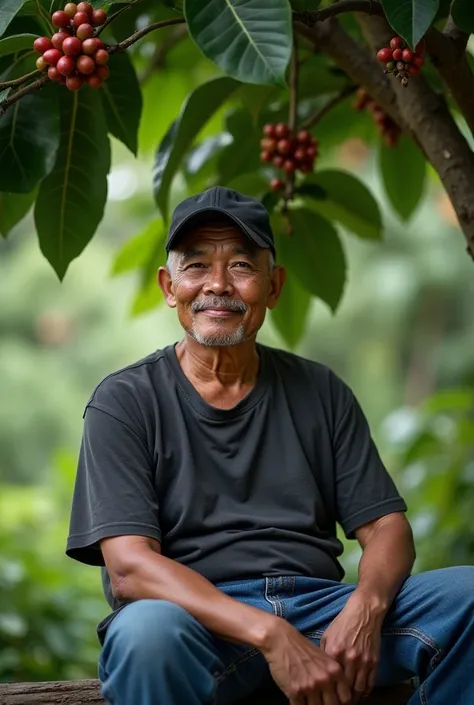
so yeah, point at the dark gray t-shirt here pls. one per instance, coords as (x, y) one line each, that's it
(253, 491)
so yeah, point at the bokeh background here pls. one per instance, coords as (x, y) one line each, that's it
(403, 338)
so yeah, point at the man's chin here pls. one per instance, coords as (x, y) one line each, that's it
(218, 338)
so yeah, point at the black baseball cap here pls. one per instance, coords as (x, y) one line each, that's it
(247, 213)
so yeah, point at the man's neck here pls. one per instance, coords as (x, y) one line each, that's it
(221, 376)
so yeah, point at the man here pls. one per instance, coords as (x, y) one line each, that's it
(211, 477)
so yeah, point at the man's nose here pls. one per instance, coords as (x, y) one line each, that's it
(218, 282)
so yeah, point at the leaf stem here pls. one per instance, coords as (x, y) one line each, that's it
(5, 104)
(292, 124)
(319, 114)
(121, 46)
(18, 81)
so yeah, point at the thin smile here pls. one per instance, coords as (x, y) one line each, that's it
(219, 312)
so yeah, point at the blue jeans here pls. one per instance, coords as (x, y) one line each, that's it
(156, 653)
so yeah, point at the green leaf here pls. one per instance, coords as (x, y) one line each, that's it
(403, 172)
(137, 251)
(250, 41)
(243, 154)
(8, 10)
(16, 42)
(149, 294)
(347, 200)
(13, 208)
(410, 18)
(291, 312)
(305, 5)
(196, 111)
(462, 12)
(313, 253)
(72, 198)
(122, 100)
(29, 138)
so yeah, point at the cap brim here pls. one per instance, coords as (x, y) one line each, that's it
(197, 216)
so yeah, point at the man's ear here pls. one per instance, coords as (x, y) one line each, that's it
(278, 278)
(164, 281)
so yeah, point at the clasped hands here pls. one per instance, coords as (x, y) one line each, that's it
(341, 671)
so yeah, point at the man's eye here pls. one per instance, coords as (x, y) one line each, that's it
(195, 265)
(242, 264)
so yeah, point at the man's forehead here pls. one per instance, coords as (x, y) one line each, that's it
(204, 238)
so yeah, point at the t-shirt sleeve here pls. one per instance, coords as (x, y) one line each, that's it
(364, 489)
(114, 491)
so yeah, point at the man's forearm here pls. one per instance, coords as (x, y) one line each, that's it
(157, 577)
(386, 562)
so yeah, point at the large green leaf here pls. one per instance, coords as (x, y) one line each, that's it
(345, 199)
(410, 18)
(122, 99)
(243, 154)
(8, 10)
(291, 312)
(313, 253)
(138, 251)
(13, 208)
(72, 198)
(16, 42)
(29, 138)
(403, 171)
(462, 12)
(196, 111)
(248, 39)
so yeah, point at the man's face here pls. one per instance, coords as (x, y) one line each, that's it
(220, 284)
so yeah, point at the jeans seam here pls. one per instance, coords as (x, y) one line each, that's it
(231, 667)
(275, 603)
(418, 634)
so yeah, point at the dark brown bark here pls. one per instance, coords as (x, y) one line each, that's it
(421, 112)
(86, 692)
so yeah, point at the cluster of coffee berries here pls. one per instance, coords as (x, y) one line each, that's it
(286, 152)
(400, 60)
(389, 130)
(74, 54)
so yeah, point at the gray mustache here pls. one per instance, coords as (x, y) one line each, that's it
(217, 302)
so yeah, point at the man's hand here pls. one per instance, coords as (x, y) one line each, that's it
(305, 674)
(353, 640)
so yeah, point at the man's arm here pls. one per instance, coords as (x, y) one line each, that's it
(301, 669)
(387, 560)
(354, 637)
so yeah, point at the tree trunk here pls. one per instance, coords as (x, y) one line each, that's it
(86, 692)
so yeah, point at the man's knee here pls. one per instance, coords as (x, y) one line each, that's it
(148, 629)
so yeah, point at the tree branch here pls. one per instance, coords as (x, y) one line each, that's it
(116, 14)
(14, 97)
(447, 53)
(319, 114)
(310, 18)
(18, 81)
(431, 124)
(356, 61)
(292, 122)
(121, 46)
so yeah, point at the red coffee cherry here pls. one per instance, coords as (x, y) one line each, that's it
(54, 74)
(85, 7)
(84, 31)
(101, 57)
(384, 55)
(407, 55)
(85, 64)
(266, 156)
(42, 44)
(289, 166)
(58, 39)
(303, 136)
(90, 46)
(80, 18)
(98, 17)
(52, 56)
(277, 185)
(94, 80)
(60, 19)
(269, 130)
(66, 65)
(74, 82)
(418, 60)
(278, 161)
(103, 72)
(284, 147)
(72, 46)
(282, 130)
(397, 54)
(396, 43)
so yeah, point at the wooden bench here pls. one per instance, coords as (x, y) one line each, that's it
(87, 692)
